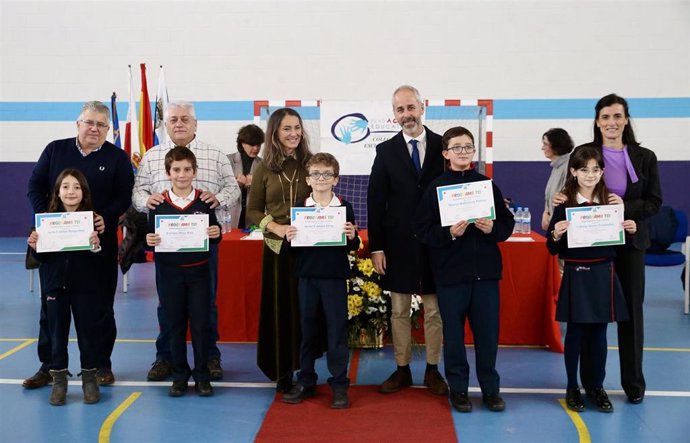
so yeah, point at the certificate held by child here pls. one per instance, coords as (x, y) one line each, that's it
(319, 226)
(466, 201)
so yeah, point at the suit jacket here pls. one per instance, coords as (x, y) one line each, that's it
(642, 199)
(236, 208)
(395, 190)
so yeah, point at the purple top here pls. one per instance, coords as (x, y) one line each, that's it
(618, 167)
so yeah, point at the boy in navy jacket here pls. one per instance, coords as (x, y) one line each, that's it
(182, 277)
(467, 266)
(323, 273)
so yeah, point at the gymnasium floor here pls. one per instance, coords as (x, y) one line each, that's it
(134, 410)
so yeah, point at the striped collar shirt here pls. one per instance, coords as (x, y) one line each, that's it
(84, 153)
(214, 174)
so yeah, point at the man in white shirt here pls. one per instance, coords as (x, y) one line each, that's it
(215, 177)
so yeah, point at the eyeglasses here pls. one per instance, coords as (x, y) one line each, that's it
(467, 149)
(593, 171)
(324, 175)
(91, 124)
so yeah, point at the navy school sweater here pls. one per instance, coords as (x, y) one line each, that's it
(195, 207)
(326, 261)
(472, 256)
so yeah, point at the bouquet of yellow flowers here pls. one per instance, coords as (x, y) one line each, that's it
(368, 306)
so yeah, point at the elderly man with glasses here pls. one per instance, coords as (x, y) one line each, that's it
(215, 177)
(109, 174)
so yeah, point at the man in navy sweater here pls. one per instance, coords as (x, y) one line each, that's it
(109, 173)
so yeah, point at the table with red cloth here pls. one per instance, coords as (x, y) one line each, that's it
(529, 290)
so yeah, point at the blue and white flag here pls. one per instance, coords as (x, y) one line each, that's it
(159, 134)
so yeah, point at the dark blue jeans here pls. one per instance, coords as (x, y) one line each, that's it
(163, 340)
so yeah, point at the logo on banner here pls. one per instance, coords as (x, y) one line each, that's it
(355, 127)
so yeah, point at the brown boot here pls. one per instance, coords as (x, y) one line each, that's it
(402, 377)
(89, 384)
(59, 393)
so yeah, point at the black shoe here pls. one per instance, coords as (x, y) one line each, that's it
(178, 389)
(460, 401)
(204, 388)
(435, 382)
(399, 379)
(284, 384)
(635, 399)
(38, 380)
(161, 370)
(215, 369)
(494, 402)
(601, 399)
(298, 393)
(340, 399)
(573, 399)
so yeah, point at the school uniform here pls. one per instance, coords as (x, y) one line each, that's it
(590, 291)
(466, 271)
(323, 274)
(589, 298)
(70, 282)
(184, 291)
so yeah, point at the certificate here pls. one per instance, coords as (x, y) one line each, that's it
(64, 231)
(466, 201)
(182, 233)
(595, 226)
(319, 226)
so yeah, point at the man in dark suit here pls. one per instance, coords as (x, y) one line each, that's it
(403, 167)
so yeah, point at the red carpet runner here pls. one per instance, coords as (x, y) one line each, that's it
(411, 415)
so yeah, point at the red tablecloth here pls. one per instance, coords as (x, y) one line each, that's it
(528, 291)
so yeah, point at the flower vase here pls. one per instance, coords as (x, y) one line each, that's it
(369, 338)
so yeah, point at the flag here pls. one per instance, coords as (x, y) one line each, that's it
(116, 120)
(131, 128)
(145, 121)
(160, 135)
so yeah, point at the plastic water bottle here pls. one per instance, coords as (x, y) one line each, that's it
(526, 221)
(518, 221)
(225, 222)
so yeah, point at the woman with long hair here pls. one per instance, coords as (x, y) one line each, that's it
(278, 183)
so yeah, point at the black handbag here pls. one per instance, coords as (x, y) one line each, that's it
(30, 262)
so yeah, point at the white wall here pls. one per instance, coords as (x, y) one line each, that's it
(225, 51)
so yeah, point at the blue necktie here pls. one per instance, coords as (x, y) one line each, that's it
(415, 156)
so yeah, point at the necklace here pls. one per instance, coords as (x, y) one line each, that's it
(293, 179)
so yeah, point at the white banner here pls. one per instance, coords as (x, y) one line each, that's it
(351, 130)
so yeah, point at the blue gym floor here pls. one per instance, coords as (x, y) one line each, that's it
(134, 410)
